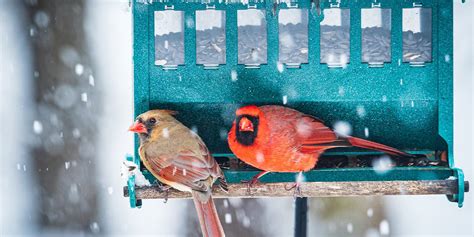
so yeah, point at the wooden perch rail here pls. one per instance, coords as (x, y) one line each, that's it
(316, 189)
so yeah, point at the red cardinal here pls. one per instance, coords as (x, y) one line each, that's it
(176, 156)
(279, 139)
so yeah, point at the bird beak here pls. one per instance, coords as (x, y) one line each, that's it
(138, 127)
(245, 125)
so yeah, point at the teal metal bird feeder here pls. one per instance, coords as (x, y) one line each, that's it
(383, 69)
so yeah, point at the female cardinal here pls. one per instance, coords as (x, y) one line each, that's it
(177, 156)
(279, 139)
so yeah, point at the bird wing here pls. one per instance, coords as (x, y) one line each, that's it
(195, 169)
(313, 136)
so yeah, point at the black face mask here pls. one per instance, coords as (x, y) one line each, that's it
(243, 137)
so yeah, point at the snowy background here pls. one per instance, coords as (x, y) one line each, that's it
(50, 189)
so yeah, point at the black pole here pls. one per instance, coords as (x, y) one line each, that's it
(301, 217)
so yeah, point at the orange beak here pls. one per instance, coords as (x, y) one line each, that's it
(138, 127)
(245, 125)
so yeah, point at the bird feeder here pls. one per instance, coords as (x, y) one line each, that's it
(380, 70)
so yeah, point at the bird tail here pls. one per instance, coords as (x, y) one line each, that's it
(206, 209)
(358, 142)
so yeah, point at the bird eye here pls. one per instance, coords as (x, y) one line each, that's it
(152, 121)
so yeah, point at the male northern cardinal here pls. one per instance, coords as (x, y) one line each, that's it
(178, 157)
(279, 139)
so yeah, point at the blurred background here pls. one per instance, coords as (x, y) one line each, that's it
(66, 86)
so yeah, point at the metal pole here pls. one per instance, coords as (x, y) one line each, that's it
(301, 219)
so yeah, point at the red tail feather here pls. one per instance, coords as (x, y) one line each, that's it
(376, 146)
(210, 224)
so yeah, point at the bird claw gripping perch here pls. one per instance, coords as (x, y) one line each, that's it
(254, 180)
(250, 183)
(166, 189)
(296, 187)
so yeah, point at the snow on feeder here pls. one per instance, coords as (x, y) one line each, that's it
(365, 65)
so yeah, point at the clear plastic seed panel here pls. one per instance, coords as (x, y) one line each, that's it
(335, 37)
(169, 38)
(417, 42)
(293, 36)
(252, 37)
(210, 37)
(376, 35)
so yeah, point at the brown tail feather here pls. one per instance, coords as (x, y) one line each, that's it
(210, 224)
(358, 142)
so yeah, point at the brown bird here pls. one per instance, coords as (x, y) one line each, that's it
(178, 157)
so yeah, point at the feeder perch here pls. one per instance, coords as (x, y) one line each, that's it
(384, 67)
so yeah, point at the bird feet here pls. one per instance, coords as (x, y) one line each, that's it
(251, 182)
(254, 180)
(296, 187)
(165, 188)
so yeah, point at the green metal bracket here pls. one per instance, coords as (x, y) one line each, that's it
(134, 203)
(459, 198)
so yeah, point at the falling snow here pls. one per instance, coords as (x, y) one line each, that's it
(233, 75)
(361, 111)
(343, 128)
(285, 99)
(76, 133)
(223, 134)
(350, 227)
(91, 80)
(79, 69)
(37, 127)
(366, 132)
(166, 133)
(246, 222)
(95, 228)
(130, 169)
(280, 67)
(67, 164)
(190, 22)
(300, 178)
(260, 157)
(372, 233)
(384, 227)
(65, 96)
(84, 97)
(447, 58)
(41, 19)
(110, 190)
(344, 60)
(382, 165)
(303, 129)
(341, 91)
(194, 130)
(73, 194)
(228, 218)
(235, 202)
(370, 212)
